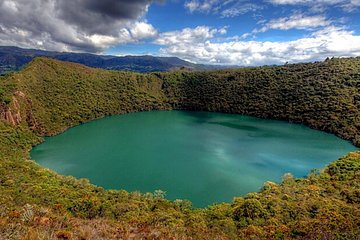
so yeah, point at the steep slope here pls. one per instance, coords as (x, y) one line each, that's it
(64, 94)
(323, 95)
(49, 96)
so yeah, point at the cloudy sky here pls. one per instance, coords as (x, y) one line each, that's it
(239, 32)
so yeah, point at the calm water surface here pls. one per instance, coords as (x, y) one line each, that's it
(200, 156)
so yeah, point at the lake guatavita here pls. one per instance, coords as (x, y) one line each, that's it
(200, 156)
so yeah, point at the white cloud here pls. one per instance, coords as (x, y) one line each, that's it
(297, 2)
(297, 21)
(54, 25)
(329, 42)
(192, 5)
(97, 39)
(142, 30)
(240, 8)
(228, 8)
(10, 6)
(189, 36)
(352, 5)
(201, 6)
(318, 5)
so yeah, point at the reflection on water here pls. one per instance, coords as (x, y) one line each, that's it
(200, 156)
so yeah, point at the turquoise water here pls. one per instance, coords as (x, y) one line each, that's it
(200, 156)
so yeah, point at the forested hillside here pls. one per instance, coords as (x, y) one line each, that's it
(49, 96)
(322, 95)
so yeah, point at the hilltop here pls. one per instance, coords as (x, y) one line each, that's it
(48, 96)
(14, 58)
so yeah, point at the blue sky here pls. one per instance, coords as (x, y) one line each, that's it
(236, 32)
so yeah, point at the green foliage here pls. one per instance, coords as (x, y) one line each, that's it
(63, 95)
(6, 91)
(51, 96)
(250, 209)
(322, 95)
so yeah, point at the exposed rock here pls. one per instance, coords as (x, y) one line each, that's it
(8, 115)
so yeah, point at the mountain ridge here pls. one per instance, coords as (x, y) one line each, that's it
(14, 58)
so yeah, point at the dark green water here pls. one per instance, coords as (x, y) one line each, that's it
(203, 157)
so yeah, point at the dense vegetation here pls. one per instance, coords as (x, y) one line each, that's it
(323, 95)
(15, 58)
(49, 96)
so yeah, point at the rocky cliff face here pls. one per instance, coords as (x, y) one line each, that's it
(20, 108)
(11, 113)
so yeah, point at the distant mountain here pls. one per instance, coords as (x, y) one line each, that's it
(14, 58)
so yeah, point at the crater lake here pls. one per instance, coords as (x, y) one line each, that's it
(200, 156)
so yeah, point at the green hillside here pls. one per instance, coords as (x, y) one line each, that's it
(49, 96)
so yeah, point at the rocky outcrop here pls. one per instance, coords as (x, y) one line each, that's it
(13, 114)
